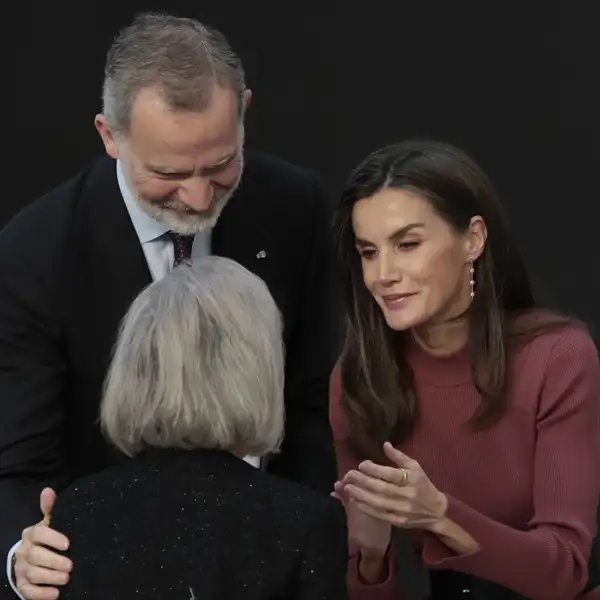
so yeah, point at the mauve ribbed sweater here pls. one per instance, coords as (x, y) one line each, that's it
(527, 490)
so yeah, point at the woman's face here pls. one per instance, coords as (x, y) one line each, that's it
(414, 263)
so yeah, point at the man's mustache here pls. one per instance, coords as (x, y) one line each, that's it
(177, 205)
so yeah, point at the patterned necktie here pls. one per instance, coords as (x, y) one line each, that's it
(182, 247)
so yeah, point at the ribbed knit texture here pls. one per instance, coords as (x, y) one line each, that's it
(527, 489)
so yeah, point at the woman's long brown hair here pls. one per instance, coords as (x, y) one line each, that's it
(378, 398)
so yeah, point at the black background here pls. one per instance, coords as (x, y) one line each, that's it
(514, 84)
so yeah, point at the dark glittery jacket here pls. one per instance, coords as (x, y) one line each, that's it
(203, 525)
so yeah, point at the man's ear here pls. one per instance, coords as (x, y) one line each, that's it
(108, 138)
(246, 100)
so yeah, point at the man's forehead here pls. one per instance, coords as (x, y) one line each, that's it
(150, 114)
(177, 154)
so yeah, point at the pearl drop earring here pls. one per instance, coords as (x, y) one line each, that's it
(472, 282)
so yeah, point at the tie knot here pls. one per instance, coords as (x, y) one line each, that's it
(182, 246)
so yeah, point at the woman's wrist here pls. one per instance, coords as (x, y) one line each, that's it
(440, 527)
(454, 537)
(372, 567)
(440, 522)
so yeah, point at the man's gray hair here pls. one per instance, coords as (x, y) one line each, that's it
(198, 364)
(180, 57)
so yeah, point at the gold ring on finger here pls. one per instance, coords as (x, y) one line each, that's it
(404, 476)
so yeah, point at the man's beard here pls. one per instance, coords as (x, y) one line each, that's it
(178, 217)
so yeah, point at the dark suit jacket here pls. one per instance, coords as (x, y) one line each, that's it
(171, 525)
(71, 264)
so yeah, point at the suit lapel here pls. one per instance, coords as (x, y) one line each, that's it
(247, 234)
(237, 234)
(113, 266)
(243, 232)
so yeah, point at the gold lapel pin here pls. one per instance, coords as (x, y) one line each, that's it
(261, 254)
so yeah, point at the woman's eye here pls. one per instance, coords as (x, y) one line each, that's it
(366, 253)
(408, 245)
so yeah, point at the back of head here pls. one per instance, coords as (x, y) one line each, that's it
(198, 364)
(181, 57)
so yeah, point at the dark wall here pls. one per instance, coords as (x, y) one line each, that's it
(516, 87)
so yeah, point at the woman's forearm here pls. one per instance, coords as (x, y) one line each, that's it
(454, 537)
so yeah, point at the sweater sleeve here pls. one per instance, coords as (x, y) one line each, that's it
(357, 589)
(548, 561)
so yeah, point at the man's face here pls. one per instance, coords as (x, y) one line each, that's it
(182, 167)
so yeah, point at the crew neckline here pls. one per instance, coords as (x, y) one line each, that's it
(439, 371)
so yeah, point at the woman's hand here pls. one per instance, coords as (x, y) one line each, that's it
(402, 495)
(371, 535)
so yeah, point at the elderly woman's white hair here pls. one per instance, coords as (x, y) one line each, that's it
(198, 364)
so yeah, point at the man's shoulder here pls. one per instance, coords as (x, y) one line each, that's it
(260, 165)
(270, 178)
(47, 217)
(275, 190)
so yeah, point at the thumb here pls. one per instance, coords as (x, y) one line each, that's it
(47, 500)
(397, 457)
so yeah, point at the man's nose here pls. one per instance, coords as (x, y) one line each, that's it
(197, 193)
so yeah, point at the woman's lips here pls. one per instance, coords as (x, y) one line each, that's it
(396, 301)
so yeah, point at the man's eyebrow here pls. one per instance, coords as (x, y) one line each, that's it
(167, 170)
(174, 171)
(222, 161)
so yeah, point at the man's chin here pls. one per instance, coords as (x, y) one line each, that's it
(182, 223)
(189, 225)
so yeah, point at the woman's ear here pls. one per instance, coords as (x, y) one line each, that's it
(476, 238)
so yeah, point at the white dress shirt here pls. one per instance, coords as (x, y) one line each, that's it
(156, 244)
(158, 250)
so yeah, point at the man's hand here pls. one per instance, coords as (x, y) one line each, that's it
(37, 566)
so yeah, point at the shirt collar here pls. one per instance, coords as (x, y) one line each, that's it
(146, 228)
